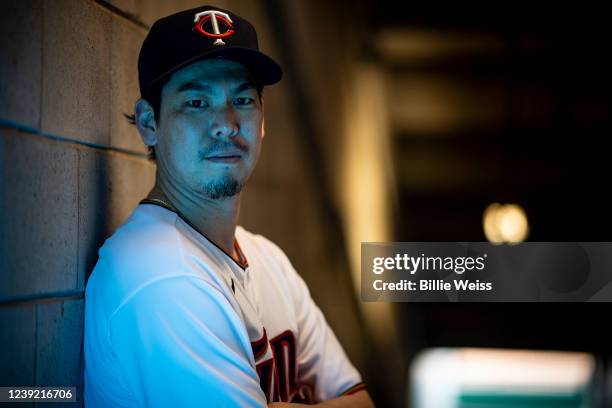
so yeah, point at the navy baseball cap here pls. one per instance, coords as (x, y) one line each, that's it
(180, 39)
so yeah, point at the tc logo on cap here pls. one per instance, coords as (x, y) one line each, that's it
(214, 16)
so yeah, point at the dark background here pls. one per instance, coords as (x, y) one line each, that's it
(548, 150)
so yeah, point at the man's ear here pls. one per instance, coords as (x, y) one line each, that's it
(263, 127)
(263, 121)
(145, 122)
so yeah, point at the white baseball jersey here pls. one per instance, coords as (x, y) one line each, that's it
(172, 320)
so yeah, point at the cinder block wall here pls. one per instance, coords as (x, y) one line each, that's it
(72, 169)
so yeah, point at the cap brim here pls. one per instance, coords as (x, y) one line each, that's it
(265, 70)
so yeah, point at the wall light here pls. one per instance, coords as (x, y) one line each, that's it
(505, 223)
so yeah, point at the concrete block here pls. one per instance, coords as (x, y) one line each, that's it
(126, 39)
(127, 6)
(111, 185)
(17, 328)
(75, 98)
(3, 215)
(59, 340)
(20, 61)
(40, 206)
(149, 11)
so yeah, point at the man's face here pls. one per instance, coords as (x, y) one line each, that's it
(210, 128)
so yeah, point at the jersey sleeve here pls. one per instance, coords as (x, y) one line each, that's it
(180, 343)
(321, 359)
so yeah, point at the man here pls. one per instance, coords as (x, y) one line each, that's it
(184, 307)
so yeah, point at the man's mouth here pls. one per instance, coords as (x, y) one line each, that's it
(229, 157)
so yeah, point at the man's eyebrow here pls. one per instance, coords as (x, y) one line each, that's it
(244, 86)
(194, 86)
(199, 86)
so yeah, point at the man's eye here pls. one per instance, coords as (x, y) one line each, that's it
(243, 101)
(196, 103)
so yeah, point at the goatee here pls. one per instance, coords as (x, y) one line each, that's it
(227, 187)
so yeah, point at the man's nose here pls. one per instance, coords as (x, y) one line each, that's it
(224, 123)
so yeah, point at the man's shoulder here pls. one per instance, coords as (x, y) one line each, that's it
(147, 233)
(254, 242)
(144, 249)
(268, 257)
(265, 253)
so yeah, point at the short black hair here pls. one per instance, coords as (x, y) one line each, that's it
(154, 99)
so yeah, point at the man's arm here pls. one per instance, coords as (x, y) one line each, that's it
(322, 361)
(360, 399)
(179, 343)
